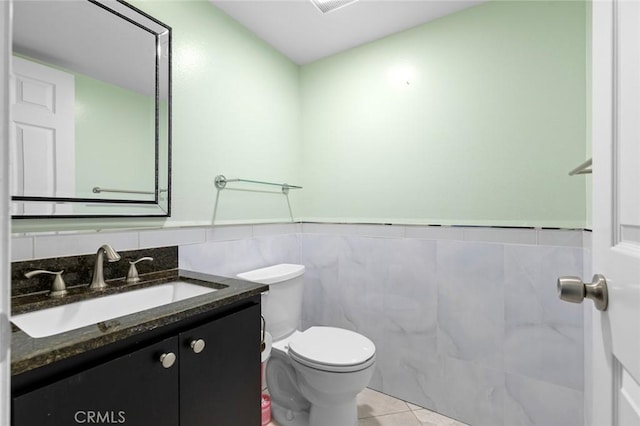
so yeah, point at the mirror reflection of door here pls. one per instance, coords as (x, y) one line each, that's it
(42, 136)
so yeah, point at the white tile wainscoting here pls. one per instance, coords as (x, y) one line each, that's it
(466, 320)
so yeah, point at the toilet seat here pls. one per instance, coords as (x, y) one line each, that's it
(332, 349)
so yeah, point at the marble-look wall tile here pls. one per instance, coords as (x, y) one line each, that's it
(348, 300)
(229, 258)
(435, 232)
(425, 387)
(472, 393)
(586, 259)
(560, 237)
(530, 402)
(276, 229)
(73, 244)
(471, 301)
(339, 290)
(403, 304)
(383, 288)
(341, 229)
(551, 354)
(171, 237)
(229, 233)
(21, 248)
(382, 231)
(497, 314)
(500, 235)
(543, 335)
(279, 249)
(587, 239)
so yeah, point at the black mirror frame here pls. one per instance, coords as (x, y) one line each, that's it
(111, 203)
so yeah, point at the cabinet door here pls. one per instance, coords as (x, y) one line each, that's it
(135, 389)
(221, 384)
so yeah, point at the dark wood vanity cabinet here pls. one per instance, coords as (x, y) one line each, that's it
(133, 389)
(217, 383)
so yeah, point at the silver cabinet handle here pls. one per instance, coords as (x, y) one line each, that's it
(572, 289)
(197, 345)
(168, 359)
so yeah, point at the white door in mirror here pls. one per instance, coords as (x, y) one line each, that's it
(42, 136)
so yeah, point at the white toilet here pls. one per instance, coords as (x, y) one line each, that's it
(313, 376)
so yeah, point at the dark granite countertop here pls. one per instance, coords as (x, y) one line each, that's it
(28, 353)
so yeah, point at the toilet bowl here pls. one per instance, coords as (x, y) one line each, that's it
(313, 376)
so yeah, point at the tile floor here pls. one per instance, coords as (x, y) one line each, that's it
(378, 409)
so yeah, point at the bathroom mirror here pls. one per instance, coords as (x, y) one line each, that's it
(91, 110)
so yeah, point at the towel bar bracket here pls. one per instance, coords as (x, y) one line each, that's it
(582, 169)
(220, 181)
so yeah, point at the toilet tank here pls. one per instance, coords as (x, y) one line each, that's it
(282, 304)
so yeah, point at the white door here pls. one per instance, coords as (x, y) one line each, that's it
(42, 136)
(615, 391)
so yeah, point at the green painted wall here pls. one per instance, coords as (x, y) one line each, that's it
(236, 111)
(484, 133)
(493, 118)
(111, 122)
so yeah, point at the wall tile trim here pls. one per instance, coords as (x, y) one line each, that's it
(45, 245)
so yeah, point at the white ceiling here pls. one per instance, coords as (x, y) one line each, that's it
(85, 38)
(304, 34)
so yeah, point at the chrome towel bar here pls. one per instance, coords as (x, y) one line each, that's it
(98, 190)
(221, 182)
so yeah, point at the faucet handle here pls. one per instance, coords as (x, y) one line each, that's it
(58, 288)
(132, 275)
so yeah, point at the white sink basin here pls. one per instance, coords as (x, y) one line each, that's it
(47, 322)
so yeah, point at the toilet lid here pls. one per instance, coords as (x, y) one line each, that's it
(332, 349)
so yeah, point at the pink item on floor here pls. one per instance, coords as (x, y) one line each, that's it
(266, 409)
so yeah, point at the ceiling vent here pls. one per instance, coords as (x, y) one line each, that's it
(326, 6)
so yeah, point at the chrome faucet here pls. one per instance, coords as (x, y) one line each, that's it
(97, 282)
